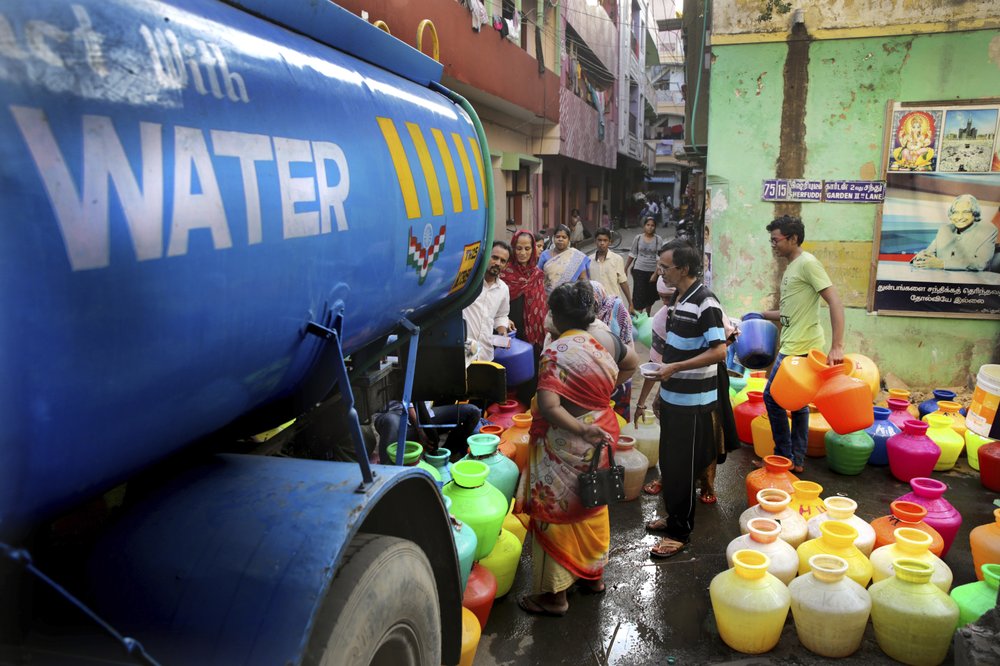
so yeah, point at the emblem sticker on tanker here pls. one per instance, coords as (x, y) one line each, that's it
(422, 253)
(469, 255)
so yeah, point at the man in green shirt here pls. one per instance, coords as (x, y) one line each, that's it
(805, 281)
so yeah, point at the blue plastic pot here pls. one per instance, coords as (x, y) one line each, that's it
(518, 361)
(757, 344)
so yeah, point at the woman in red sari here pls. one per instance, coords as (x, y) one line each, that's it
(577, 374)
(526, 281)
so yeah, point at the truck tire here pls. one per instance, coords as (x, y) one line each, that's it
(380, 609)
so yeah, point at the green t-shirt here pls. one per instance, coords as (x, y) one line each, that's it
(804, 278)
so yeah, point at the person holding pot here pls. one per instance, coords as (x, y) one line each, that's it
(804, 283)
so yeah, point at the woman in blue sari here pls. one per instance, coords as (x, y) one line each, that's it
(562, 263)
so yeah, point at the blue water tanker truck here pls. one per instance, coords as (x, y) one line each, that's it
(216, 217)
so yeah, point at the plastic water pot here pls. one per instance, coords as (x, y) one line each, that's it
(913, 620)
(864, 368)
(974, 599)
(476, 502)
(806, 501)
(905, 514)
(773, 504)
(930, 405)
(989, 466)
(502, 561)
(843, 509)
(985, 543)
(757, 344)
(519, 360)
(912, 544)
(763, 536)
(837, 538)
(849, 453)
(941, 515)
(635, 464)
(952, 411)
(830, 610)
(746, 412)
(973, 443)
(776, 473)
(981, 417)
(480, 593)
(845, 402)
(503, 472)
(880, 431)
(471, 633)
(797, 380)
(950, 442)
(912, 453)
(750, 605)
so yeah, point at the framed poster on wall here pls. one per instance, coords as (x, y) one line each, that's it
(936, 249)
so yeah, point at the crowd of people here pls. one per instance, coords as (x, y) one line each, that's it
(575, 312)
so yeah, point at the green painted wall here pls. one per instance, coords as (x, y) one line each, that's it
(850, 82)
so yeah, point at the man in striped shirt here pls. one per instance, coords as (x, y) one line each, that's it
(695, 345)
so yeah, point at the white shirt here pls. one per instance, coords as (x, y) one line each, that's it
(490, 310)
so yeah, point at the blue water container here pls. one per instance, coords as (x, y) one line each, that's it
(757, 344)
(519, 360)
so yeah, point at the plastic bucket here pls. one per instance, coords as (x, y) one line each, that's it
(982, 416)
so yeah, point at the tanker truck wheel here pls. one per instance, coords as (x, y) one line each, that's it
(381, 608)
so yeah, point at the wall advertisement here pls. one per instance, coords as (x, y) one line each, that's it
(935, 250)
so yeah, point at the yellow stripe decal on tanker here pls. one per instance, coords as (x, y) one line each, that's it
(402, 165)
(449, 169)
(479, 162)
(467, 168)
(433, 189)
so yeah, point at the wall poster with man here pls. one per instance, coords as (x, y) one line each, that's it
(936, 248)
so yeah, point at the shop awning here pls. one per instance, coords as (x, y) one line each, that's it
(660, 179)
(510, 161)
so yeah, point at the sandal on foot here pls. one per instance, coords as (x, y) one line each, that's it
(530, 604)
(653, 487)
(708, 498)
(591, 586)
(667, 548)
(657, 525)
(798, 469)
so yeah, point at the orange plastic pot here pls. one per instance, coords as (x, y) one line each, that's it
(797, 380)
(864, 368)
(776, 473)
(845, 402)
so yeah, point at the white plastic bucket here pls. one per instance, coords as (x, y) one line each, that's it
(982, 414)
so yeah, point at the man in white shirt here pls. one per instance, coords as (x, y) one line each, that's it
(608, 268)
(489, 313)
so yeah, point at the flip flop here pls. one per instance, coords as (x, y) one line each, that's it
(529, 605)
(708, 498)
(657, 525)
(658, 553)
(798, 469)
(653, 487)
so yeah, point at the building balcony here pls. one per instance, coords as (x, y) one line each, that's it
(487, 70)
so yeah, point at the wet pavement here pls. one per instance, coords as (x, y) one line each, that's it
(659, 612)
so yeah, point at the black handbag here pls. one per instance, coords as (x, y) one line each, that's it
(600, 486)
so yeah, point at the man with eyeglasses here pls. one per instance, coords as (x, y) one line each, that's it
(804, 283)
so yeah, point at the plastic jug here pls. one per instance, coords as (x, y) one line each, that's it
(753, 384)
(797, 380)
(750, 605)
(989, 466)
(465, 544)
(900, 412)
(512, 523)
(762, 536)
(973, 443)
(476, 503)
(502, 561)
(848, 454)
(900, 394)
(746, 412)
(905, 514)
(480, 593)
(910, 544)
(913, 620)
(440, 462)
(974, 599)
(842, 509)
(941, 515)
(502, 413)
(518, 360)
(985, 543)
(806, 500)
(635, 465)
(471, 633)
(774, 474)
(818, 427)
(930, 405)
(830, 610)
(950, 409)
(863, 368)
(837, 538)
(912, 453)
(773, 503)
(845, 402)
(757, 344)
(642, 325)
(647, 437)
(950, 442)
(412, 452)
(763, 436)
(517, 436)
(503, 471)
(880, 431)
